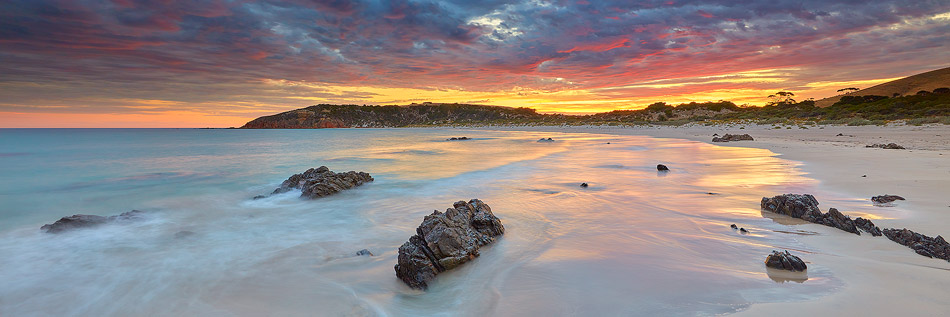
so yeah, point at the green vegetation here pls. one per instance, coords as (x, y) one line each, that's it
(920, 108)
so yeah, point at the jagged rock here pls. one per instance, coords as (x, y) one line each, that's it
(86, 221)
(890, 146)
(446, 240)
(545, 140)
(364, 252)
(935, 247)
(320, 182)
(458, 138)
(867, 226)
(794, 205)
(661, 167)
(806, 207)
(733, 137)
(742, 230)
(883, 199)
(584, 185)
(733, 226)
(785, 261)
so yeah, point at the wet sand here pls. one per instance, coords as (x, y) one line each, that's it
(881, 277)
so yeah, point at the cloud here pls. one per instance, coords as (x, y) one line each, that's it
(217, 52)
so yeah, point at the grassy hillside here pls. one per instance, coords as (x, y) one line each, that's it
(902, 87)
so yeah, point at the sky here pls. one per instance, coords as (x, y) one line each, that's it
(220, 63)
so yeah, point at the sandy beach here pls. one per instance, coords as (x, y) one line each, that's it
(881, 277)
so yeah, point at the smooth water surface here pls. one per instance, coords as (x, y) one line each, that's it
(636, 242)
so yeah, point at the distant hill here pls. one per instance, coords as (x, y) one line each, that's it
(905, 86)
(357, 116)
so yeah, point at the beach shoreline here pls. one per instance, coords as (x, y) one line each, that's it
(881, 277)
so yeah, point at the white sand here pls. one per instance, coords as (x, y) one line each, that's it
(881, 277)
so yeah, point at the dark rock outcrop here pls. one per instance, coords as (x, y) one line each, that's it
(733, 137)
(889, 146)
(463, 138)
(883, 199)
(806, 207)
(930, 247)
(661, 167)
(785, 261)
(87, 221)
(545, 140)
(320, 182)
(867, 226)
(446, 240)
(584, 185)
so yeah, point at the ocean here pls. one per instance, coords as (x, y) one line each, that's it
(635, 242)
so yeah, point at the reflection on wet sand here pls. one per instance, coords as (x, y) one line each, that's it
(782, 276)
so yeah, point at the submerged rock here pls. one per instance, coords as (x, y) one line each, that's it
(320, 182)
(935, 247)
(446, 240)
(584, 185)
(889, 146)
(733, 226)
(733, 137)
(364, 252)
(87, 221)
(661, 167)
(785, 261)
(883, 199)
(463, 138)
(546, 140)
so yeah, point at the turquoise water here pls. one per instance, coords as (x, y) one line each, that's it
(636, 242)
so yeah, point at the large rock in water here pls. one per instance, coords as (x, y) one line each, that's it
(319, 182)
(86, 221)
(930, 247)
(884, 199)
(785, 261)
(446, 240)
(806, 207)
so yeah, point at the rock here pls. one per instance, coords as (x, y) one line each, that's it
(806, 207)
(715, 134)
(546, 140)
(867, 226)
(742, 230)
(935, 247)
(458, 138)
(785, 261)
(883, 199)
(733, 137)
(840, 134)
(661, 167)
(364, 252)
(320, 182)
(87, 221)
(733, 226)
(584, 185)
(259, 197)
(446, 240)
(890, 146)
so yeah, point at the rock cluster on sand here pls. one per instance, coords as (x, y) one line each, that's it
(86, 221)
(463, 138)
(890, 146)
(446, 240)
(806, 207)
(923, 245)
(785, 261)
(733, 137)
(319, 182)
(883, 199)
